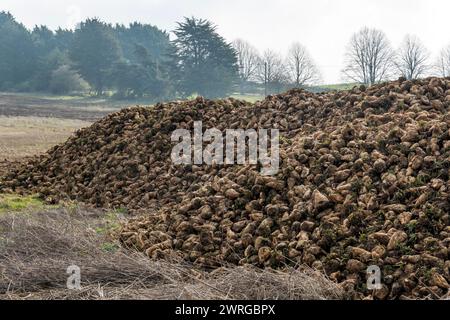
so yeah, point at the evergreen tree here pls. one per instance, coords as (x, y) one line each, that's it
(141, 78)
(17, 54)
(202, 61)
(63, 39)
(64, 80)
(144, 50)
(154, 40)
(49, 57)
(44, 40)
(94, 51)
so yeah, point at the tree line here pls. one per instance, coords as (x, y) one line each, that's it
(140, 60)
(370, 59)
(274, 71)
(132, 61)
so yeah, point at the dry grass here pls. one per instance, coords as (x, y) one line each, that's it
(27, 136)
(36, 248)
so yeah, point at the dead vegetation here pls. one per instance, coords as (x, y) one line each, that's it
(37, 247)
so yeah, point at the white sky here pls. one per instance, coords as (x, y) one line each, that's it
(324, 26)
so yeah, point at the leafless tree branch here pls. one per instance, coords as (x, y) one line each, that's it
(272, 67)
(300, 66)
(369, 57)
(248, 60)
(443, 62)
(412, 58)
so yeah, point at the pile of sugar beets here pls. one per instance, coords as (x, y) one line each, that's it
(363, 180)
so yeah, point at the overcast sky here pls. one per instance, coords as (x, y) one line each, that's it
(324, 26)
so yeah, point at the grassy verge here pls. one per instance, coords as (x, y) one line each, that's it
(16, 203)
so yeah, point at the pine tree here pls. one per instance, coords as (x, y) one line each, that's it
(17, 54)
(95, 51)
(202, 61)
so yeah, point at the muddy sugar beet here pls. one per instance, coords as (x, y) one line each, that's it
(363, 180)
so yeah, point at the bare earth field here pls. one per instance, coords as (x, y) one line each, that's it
(31, 124)
(87, 109)
(25, 136)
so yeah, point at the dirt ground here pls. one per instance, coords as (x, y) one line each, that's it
(31, 124)
(25, 136)
(86, 109)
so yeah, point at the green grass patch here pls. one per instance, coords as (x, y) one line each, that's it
(14, 203)
(110, 223)
(110, 247)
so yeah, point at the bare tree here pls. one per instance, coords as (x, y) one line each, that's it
(301, 66)
(443, 62)
(369, 57)
(412, 58)
(248, 59)
(272, 71)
